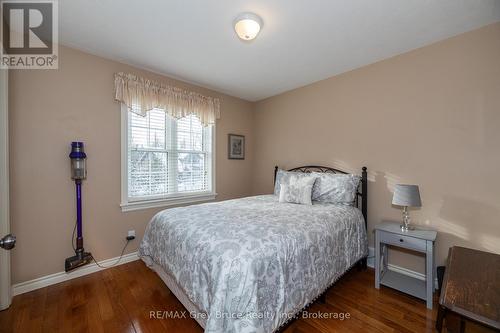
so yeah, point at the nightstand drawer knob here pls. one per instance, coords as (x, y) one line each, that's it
(401, 240)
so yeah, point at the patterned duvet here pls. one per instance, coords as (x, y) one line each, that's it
(251, 263)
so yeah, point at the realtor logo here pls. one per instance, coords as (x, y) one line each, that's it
(29, 34)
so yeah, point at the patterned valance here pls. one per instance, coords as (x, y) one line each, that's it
(142, 95)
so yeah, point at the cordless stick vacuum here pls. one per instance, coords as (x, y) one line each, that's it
(78, 173)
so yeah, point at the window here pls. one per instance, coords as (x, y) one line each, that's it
(166, 160)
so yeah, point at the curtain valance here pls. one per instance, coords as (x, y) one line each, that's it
(142, 95)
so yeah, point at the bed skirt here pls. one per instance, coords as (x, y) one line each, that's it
(193, 310)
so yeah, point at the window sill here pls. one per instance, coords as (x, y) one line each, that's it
(155, 203)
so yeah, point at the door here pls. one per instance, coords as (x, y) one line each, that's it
(5, 242)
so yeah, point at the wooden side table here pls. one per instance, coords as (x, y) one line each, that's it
(471, 287)
(390, 233)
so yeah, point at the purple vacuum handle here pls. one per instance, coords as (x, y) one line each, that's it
(79, 238)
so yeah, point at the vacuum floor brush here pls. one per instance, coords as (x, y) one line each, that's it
(78, 173)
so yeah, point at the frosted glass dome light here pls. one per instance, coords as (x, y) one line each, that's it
(247, 26)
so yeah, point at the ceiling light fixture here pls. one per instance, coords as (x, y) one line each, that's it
(247, 26)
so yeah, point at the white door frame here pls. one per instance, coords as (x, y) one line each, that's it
(5, 287)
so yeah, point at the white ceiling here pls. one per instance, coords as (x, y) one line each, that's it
(302, 41)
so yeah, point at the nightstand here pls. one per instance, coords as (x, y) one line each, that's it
(389, 233)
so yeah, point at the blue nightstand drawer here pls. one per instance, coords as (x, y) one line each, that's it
(413, 243)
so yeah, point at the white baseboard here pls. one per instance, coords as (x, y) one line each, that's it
(398, 269)
(44, 281)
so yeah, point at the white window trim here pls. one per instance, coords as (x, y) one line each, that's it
(170, 200)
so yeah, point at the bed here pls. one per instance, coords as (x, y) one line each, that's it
(252, 264)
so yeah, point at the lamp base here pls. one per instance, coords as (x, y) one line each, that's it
(406, 227)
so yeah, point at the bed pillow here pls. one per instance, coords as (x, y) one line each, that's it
(335, 188)
(297, 189)
(282, 177)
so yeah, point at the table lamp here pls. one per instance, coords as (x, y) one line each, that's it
(406, 196)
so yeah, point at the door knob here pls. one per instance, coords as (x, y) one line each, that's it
(8, 242)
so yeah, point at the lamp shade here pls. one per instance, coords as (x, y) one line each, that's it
(406, 195)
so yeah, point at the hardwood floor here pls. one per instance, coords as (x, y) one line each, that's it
(120, 299)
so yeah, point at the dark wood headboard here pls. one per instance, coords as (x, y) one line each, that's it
(362, 189)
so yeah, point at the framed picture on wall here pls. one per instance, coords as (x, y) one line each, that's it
(236, 147)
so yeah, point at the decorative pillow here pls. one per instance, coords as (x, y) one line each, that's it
(297, 189)
(282, 177)
(335, 188)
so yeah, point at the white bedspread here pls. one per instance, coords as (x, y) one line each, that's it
(252, 263)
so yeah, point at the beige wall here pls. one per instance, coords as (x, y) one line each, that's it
(429, 117)
(51, 108)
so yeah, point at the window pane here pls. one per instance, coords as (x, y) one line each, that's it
(147, 131)
(138, 137)
(138, 173)
(189, 133)
(157, 119)
(157, 138)
(147, 173)
(191, 172)
(137, 120)
(158, 173)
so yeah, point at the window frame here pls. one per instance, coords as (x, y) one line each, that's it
(128, 204)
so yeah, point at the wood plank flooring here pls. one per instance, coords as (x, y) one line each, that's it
(120, 299)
